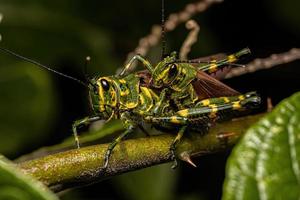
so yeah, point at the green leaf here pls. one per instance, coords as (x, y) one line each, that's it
(15, 185)
(266, 162)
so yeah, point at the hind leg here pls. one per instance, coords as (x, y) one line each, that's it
(129, 125)
(112, 145)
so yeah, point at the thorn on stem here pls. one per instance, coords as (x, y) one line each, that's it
(225, 135)
(269, 104)
(184, 156)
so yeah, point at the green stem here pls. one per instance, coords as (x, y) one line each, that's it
(83, 166)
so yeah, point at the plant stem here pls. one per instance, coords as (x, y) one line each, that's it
(84, 166)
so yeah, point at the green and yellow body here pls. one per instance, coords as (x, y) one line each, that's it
(135, 103)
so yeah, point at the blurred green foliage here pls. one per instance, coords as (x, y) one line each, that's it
(17, 186)
(27, 107)
(158, 182)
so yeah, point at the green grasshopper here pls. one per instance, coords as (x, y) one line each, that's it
(192, 91)
(184, 83)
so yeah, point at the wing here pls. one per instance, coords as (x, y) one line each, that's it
(145, 78)
(206, 86)
(209, 87)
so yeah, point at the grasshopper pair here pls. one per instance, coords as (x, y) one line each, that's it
(173, 95)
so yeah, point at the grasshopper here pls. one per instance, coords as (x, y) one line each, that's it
(191, 91)
(184, 83)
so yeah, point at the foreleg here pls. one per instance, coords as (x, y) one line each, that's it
(85, 121)
(137, 57)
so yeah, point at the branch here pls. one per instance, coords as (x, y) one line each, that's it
(190, 39)
(83, 166)
(265, 63)
(171, 23)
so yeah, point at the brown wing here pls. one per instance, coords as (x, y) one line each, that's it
(209, 87)
(145, 78)
(220, 74)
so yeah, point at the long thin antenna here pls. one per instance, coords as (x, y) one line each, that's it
(87, 61)
(43, 66)
(163, 32)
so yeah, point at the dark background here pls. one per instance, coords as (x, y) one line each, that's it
(37, 108)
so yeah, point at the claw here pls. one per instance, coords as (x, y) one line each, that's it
(106, 159)
(186, 157)
(173, 157)
(77, 143)
(175, 164)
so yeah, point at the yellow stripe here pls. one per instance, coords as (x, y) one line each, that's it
(226, 100)
(146, 91)
(163, 74)
(102, 108)
(175, 120)
(214, 108)
(142, 98)
(212, 68)
(205, 102)
(131, 105)
(183, 113)
(236, 105)
(101, 95)
(155, 97)
(122, 81)
(241, 97)
(124, 93)
(113, 98)
(231, 58)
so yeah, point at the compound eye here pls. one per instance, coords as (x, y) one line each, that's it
(105, 84)
(172, 70)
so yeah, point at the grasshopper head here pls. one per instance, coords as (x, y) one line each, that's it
(102, 96)
(165, 71)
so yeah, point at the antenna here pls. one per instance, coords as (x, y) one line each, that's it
(163, 32)
(87, 61)
(208, 62)
(42, 66)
